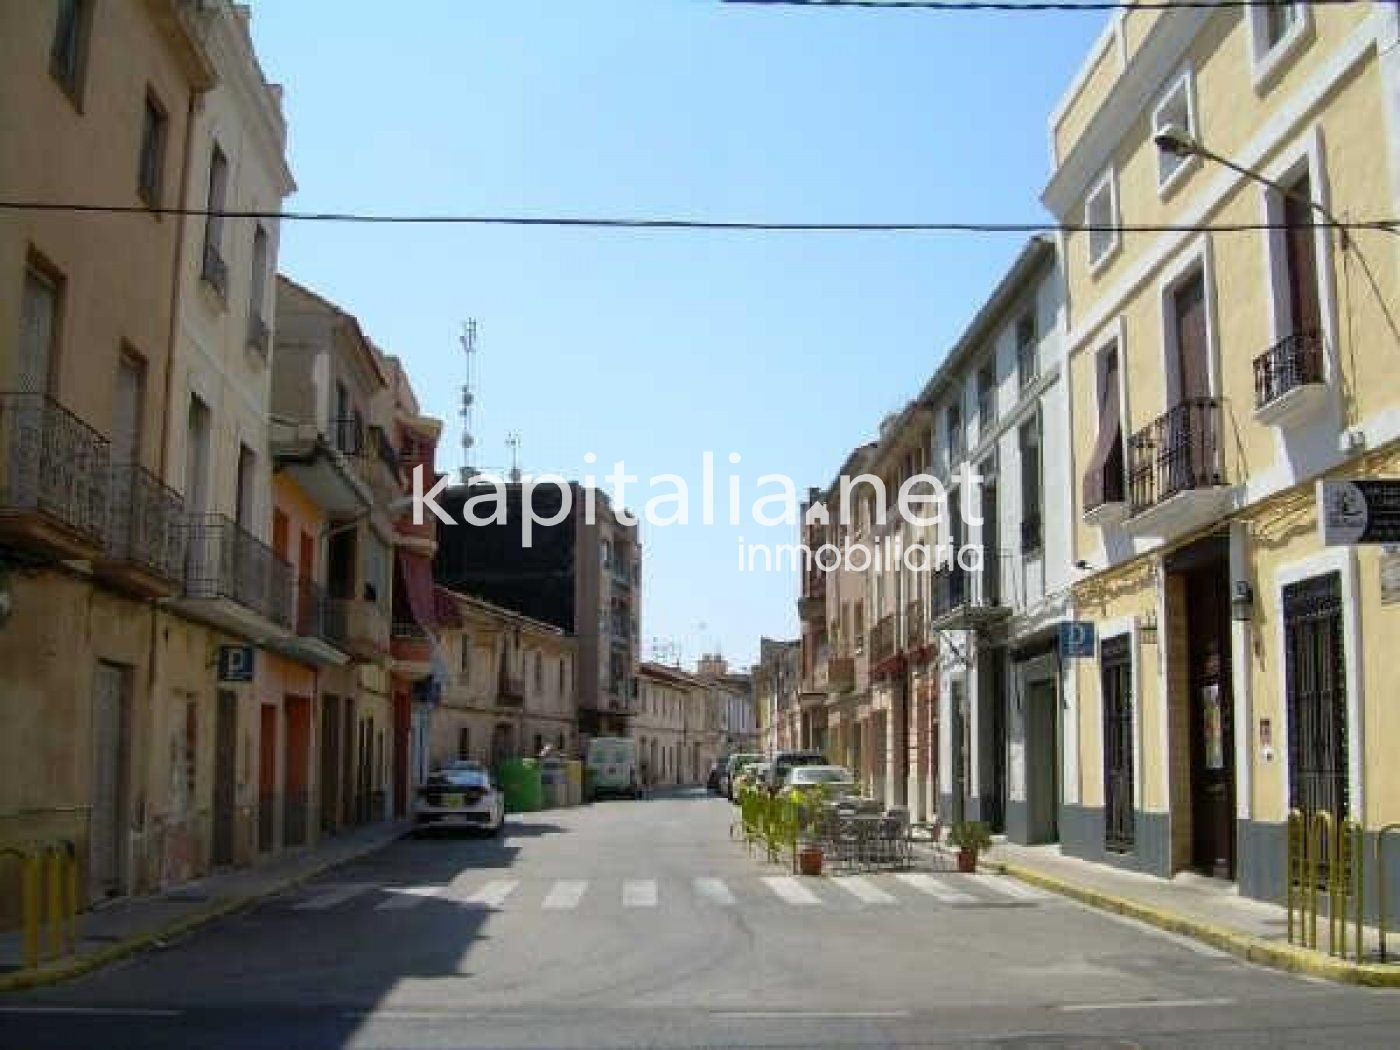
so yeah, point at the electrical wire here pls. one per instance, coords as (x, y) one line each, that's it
(1035, 6)
(1389, 225)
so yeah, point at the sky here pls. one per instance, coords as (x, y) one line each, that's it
(654, 347)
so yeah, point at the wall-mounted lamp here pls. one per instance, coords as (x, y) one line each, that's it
(1242, 602)
(1147, 629)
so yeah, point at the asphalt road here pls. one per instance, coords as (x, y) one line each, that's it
(640, 924)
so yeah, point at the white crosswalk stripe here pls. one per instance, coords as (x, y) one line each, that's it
(1009, 887)
(565, 895)
(935, 888)
(864, 890)
(493, 894)
(714, 890)
(333, 896)
(790, 890)
(405, 897)
(639, 893)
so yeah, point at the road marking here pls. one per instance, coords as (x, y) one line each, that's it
(564, 895)
(810, 1015)
(864, 889)
(1008, 886)
(790, 890)
(493, 894)
(1149, 1004)
(405, 897)
(332, 897)
(639, 893)
(714, 890)
(925, 883)
(92, 1011)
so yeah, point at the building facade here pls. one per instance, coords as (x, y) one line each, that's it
(664, 737)
(776, 687)
(1215, 377)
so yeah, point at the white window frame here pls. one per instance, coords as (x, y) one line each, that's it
(1106, 183)
(1266, 63)
(1184, 84)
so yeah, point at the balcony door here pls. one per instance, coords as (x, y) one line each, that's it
(1300, 256)
(1187, 449)
(38, 328)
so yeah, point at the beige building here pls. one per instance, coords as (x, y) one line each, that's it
(1241, 664)
(510, 685)
(776, 688)
(661, 726)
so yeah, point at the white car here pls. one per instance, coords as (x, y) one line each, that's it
(460, 795)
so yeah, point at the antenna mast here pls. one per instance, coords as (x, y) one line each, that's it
(513, 443)
(469, 332)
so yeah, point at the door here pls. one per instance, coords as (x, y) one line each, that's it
(38, 329)
(991, 550)
(225, 774)
(994, 747)
(1315, 676)
(296, 769)
(1212, 721)
(1042, 762)
(958, 743)
(267, 778)
(1188, 440)
(1305, 313)
(330, 764)
(1116, 671)
(110, 749)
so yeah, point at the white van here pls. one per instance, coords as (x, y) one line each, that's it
(612, 767)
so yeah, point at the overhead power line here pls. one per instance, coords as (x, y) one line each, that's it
(1034, 6)
(1390, 225)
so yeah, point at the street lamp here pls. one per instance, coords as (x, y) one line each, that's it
(1177, 142)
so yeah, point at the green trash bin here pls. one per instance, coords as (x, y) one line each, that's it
(520, 781)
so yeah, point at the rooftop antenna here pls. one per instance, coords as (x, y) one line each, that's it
(469, 332)
(513, 443)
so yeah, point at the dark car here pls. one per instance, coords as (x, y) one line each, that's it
(712, 780)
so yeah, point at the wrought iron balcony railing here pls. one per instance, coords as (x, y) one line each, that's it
(347, 434)
(53, 464)
(147, 522)
(1179, 451)
(882, 640)
(223, 560)
(969, 597)
(1288, 364)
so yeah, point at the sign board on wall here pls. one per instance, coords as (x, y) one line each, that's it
(1362, 511)
(235, 663)
(1390, 574)
(1077, 640)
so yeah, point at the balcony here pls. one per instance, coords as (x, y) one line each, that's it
(811, 606)
(840, 674)
(53, 478)
(915, 630)
(236, 581)
(411, 647)
(377, 466)
(317, 637)
(145, 551)
(1290, 381)
(318, 461)
(510, 689)
(882, 640)
(358, 627)
(967, 599)
(418, 538)
(1176, 470)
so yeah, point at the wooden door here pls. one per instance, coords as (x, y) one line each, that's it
(1212, 721)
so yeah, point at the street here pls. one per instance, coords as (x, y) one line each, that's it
(631, 924)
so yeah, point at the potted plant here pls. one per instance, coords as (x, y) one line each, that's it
(809, 859)
(970, 837)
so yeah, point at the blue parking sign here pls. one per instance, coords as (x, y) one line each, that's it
(1076, 640)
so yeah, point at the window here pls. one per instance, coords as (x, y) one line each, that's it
(464, 742)
(1101, 216)
(197, 459)
(38, 331)
(1175, 110)
(465, 663)
(953, 433)
(68, 54)
(539, 673)
(1027, 360)
(247, 486)
(1032, 538)
(257, 294)
(129, 397)
(1104, 480)
(1277, 30)
(986, 398)
(215, 270)
(1116, 686)
(1315, 676)
(151, 165)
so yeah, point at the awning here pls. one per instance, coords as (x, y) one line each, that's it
(1103, 481)
(416, 577)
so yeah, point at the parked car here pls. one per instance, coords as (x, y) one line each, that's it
(751, 774)
(731, 767)
(714, 781)
(785, 760)
(613, 767)
(460, 795)
(833, 781)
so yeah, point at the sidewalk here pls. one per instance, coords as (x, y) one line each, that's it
(131, 924)
(1210, 910)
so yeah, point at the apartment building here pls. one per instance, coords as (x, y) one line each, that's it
(661, 725)
(732, 703)
(580, 570)
(510, 684)
(929, 644)
(1215, 377)
(776, 680)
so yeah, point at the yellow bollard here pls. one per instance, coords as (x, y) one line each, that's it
(33, 901)
(1339, 884)
(1319, 840)
(54, 882)
(1380, 882)
(72, 901)
(1294, 869)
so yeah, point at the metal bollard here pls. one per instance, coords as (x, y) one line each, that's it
(1341, 879)
(1294, 872)
(1380, 883)
(1319, 840)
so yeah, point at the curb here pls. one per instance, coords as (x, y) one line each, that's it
(1287, 957)
(24, 980)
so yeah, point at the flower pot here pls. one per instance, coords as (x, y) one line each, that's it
(809, 860)
(967, 861)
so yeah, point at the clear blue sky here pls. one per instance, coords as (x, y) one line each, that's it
(653, 347)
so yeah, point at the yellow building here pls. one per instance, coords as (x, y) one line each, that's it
(1215, 375)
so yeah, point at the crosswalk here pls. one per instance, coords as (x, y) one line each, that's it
(884, 890)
